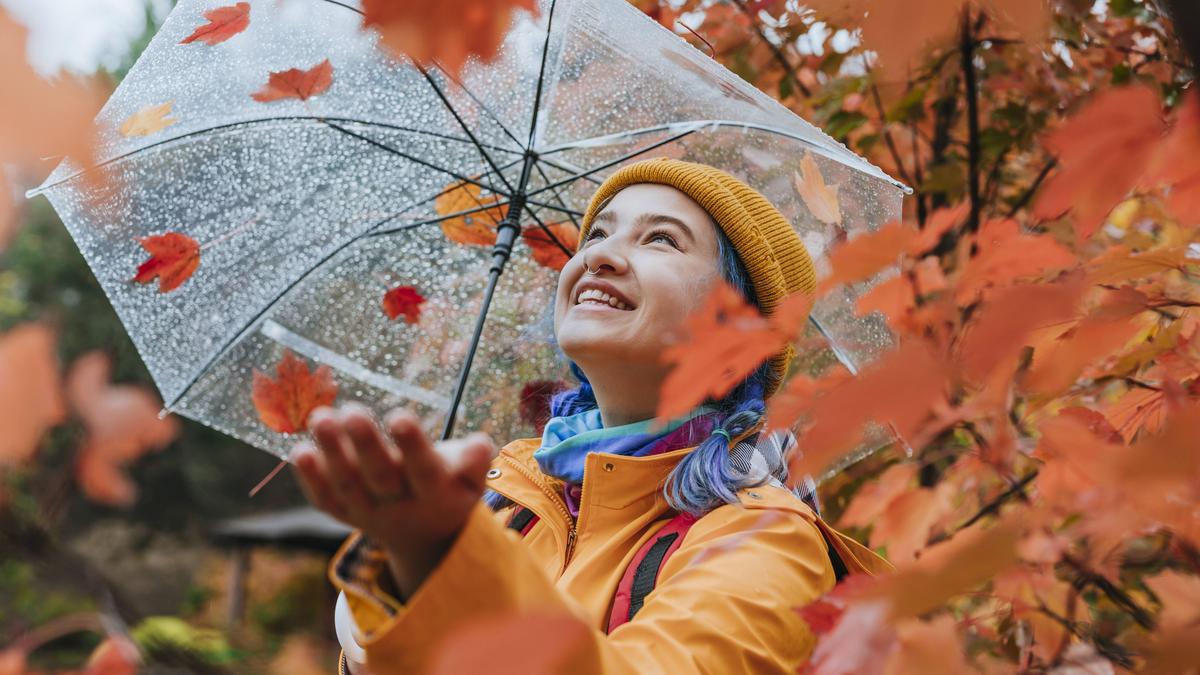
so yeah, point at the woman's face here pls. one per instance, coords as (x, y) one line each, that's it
(654, 255)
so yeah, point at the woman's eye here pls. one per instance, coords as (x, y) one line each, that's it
(592, 234)
(654, 236)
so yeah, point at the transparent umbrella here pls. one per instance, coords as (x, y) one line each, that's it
(391, 234)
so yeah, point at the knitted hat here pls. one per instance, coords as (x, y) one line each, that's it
(772, 252)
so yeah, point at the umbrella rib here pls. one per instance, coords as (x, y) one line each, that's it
(413, 158)
(247, 123)
(557, 196)
(564, 209)
(463, 125)
(613, 162)
(549, 233)
(537, 96)
(430, 221)
(482, 106)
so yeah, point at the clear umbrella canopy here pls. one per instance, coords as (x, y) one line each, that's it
(307, 212)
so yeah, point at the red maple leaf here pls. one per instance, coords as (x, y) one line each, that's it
(403, 300)
(223, 23)
(547, 247)
(173, 259)
(296, 83)
(284, 403)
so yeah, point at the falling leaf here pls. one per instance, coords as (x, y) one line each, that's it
(500, 645)
(821, 199)
(403, 300)
(727, 338)
(223, 23)
(296, 83)
(285, 402)
(1103, 151)
(863, 256)
(477, 229)
(121, 424)
(446, 32)
(31, 399)
(173, 259)
(40, 118)
(554, 248)
(148, 120)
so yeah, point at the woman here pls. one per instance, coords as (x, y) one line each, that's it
(679, 547)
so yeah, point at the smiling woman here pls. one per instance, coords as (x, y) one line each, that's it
(678, 546)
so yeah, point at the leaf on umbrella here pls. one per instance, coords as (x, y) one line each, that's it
(31, 399)
(446, 32)
(554, 248)
(223, 23)
(173, 258)
(1103, 151)
(476, 229)
(285, 402)
(403, 301)
(821, 199)
(865, 255)
(148, 120)
(296, 83)
(121, 424)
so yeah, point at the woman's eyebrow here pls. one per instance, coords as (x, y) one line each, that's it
(648, 219)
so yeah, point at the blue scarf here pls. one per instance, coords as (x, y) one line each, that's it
(566, 441)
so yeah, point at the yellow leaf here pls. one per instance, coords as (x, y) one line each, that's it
(821, 199)
(148, 120)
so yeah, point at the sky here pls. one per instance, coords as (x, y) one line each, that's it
(81, 35)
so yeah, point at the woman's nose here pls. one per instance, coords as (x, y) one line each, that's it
(606, 254)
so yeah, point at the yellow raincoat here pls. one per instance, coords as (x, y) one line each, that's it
(724, 602)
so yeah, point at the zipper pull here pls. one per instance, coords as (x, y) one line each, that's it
(570, 542)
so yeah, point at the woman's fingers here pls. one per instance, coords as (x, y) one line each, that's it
(423, 466)
(314, 479)
(378, 461)
(344, 473)
(469, 458)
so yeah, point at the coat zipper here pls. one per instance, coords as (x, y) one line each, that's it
(557, 501)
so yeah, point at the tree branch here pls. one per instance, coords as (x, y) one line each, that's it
(780, 57)
(967, 54)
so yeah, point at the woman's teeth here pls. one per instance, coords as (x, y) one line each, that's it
(593, 295)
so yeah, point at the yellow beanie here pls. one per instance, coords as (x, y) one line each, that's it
(766, 243)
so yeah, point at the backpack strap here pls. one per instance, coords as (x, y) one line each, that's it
(522, 520)
(642, 573)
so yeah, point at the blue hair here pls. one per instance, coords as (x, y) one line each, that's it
(706, 477)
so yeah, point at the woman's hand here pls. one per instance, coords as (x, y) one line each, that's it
(407, 495)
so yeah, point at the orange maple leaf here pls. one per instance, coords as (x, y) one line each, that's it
(121, 423)
(148, 120)
(296, 83)
(446, 32)
(403, 300)
(173, 259)
(865, 255)
(31, 399)
(838, 416)
(285, 403)
(478, 229)
(554, 248)
(893, 298)
(223, 23)
(1103, 152)
(727, 338)
(1118, 263)
(1175, 163)
(1006, 254)
(821, 199)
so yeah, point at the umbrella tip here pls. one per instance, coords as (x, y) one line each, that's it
(162, 414)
